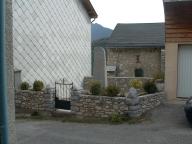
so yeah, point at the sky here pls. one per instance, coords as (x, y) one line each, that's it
(111, 12)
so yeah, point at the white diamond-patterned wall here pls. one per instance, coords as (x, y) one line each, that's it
(52, 40)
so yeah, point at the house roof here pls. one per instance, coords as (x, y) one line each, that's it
(138, 35)
(89, 8)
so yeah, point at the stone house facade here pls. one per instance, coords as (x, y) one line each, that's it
(133, 46)
(127, 61)
(52, 40)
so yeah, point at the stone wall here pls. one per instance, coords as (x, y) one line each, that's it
(151, 101)
(123, 82)
(98, 106)
(35, 101)
(150, 59)
(104, 106)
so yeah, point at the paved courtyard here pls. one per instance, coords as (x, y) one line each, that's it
(168, 126)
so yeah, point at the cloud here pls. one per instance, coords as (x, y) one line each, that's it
(112, 12)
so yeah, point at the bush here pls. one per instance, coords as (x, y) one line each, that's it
(103, 92)
(24, 86)
(38, 85)
(137, 84)
(95, 87)
(35, 113)
(116, 118)
(150, 87)
(159, 76)
(112, 90)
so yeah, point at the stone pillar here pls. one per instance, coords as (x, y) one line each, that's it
(75, 97)
(134, 108)
(99, 66)
(9, 64)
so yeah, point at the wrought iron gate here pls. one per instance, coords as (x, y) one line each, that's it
(63, 95)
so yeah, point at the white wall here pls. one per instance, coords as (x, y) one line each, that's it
(52, 40)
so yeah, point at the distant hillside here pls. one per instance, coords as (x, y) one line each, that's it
(100, 43)
(98, 32)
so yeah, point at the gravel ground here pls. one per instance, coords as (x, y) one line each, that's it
(167, 126)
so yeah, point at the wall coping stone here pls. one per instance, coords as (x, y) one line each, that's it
(100, 96)
(129, 77)
(117, 97)
(149, 95)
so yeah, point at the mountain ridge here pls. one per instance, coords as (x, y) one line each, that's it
(98, 32)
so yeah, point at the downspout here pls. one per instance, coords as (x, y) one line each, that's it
(3, 91)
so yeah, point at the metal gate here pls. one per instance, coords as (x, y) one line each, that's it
(63, 95)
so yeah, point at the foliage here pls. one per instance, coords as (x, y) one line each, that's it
(137, 84)
(150, 87)
(139, 72)
(112, 90)
(103, 92)
(159, 76)
(116, 118)
(35, 113)
(95, 87)
(38, 85)
(24, 86)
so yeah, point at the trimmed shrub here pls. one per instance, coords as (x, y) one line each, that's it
(24, 86)
(103, 92)
(112, 90)
(137, 84)
(150, 87)
(159, 76)
(38, 85)
(95, 87)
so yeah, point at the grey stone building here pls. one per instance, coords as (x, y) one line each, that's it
(52, 40)
(136, 48)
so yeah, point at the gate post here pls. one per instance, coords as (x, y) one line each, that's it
(75, 97)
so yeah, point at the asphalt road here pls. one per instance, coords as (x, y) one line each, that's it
(168, 126)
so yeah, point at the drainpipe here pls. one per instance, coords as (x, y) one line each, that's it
(3, 91)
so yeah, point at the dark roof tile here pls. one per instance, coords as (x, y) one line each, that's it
(138, 35)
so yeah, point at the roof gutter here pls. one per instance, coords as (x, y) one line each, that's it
(89, 8)
(93, 20)
(3, 91)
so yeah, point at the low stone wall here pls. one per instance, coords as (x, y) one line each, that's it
(98, 106)
(34, 101)
(150, 101)
(104, 106)
(123, 82)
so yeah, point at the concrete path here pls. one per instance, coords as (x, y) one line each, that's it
(168, 126)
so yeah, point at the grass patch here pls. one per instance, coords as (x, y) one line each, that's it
(86, 120)
(114, 119)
